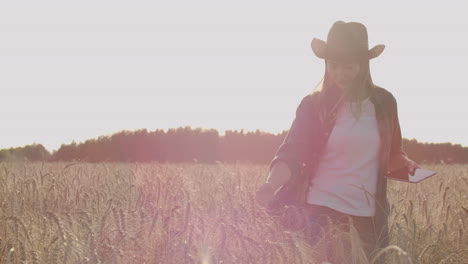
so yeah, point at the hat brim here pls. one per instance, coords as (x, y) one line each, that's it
(319, 47)
(376, 51)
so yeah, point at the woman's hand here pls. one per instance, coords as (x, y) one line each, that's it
(412, 166)
(265, 193)
(278, 176)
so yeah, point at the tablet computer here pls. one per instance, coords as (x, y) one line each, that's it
(403, 175)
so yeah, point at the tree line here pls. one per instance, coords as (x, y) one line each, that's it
(185, 144)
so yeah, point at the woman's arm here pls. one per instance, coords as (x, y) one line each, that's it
(291, 154)
(296, 147)
(398, 157)
(279, 175)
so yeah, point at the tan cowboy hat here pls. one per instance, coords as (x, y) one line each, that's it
(346, 41)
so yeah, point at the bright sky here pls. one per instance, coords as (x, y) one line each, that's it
(73, 70)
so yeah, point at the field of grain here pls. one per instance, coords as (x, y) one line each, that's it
(198, 213)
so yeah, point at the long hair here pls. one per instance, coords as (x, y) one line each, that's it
(331, 97)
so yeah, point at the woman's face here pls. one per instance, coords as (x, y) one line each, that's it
(343, 72)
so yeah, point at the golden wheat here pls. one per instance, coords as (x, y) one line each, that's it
(195, 213)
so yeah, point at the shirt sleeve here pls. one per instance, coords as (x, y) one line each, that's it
(296, 146)
(398, 156)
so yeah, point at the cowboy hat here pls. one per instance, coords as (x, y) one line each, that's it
(346, 41)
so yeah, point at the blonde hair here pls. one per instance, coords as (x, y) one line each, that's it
(331, 98)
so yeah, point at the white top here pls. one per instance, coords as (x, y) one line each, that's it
(346, 177)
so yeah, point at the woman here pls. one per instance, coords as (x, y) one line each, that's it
(348, 137)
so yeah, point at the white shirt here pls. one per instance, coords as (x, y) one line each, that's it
(346, 177)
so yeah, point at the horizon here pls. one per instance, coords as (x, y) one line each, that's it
(220, 133)
(79, 70)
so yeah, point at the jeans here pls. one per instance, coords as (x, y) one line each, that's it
(334, 241)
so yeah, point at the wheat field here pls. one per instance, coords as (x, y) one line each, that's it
(199, 213)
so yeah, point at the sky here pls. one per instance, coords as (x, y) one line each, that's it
(74, 70)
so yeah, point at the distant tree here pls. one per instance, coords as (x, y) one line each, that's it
(34, 152)
(66, 153)
(186, 144)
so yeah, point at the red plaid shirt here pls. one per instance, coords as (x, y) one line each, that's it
(307, 137)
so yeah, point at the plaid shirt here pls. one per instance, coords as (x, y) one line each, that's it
(307, 137)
